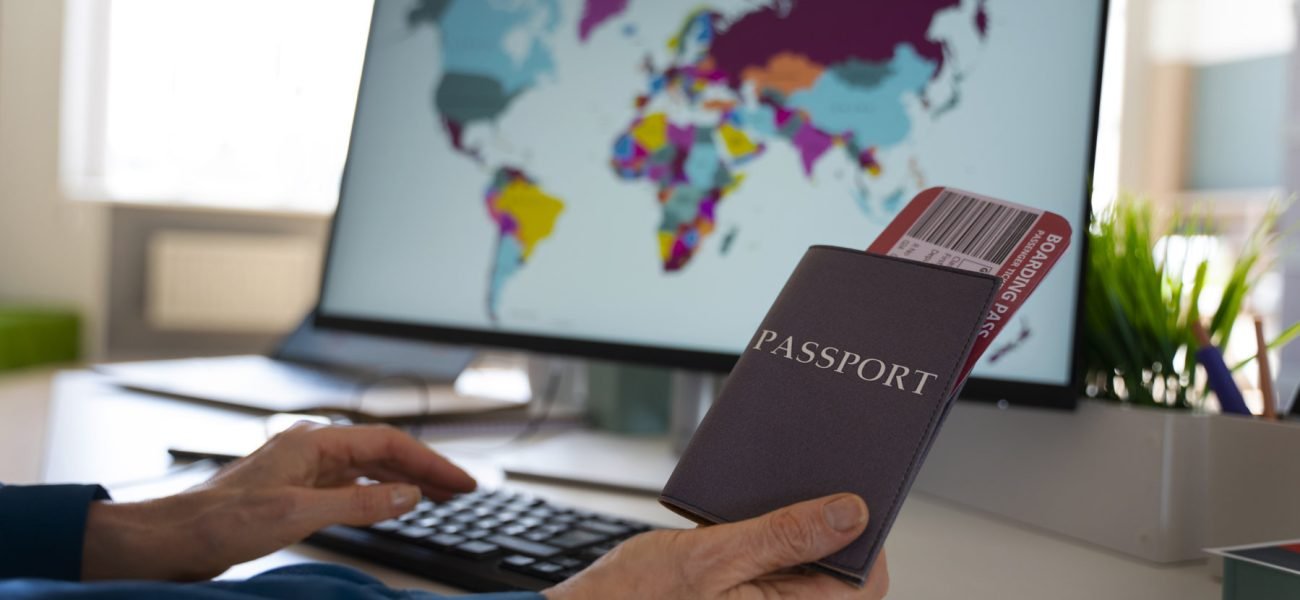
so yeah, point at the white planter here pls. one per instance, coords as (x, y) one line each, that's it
(1159, 485)
(1129, 479)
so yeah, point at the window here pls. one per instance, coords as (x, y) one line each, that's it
(231, 103)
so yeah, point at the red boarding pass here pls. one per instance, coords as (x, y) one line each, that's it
(955, 228)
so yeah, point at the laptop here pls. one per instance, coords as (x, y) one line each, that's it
(329, 370)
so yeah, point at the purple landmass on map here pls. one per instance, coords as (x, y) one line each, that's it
(596, 12)
(982, 19)
(828, 33)
(811, 144)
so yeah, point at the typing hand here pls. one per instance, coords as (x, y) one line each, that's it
(736, 561)
(298, 482)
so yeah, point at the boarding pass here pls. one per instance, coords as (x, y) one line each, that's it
(955, 228)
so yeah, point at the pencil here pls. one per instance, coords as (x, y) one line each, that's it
(1265, 373)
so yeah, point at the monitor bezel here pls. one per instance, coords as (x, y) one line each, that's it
(977, 388)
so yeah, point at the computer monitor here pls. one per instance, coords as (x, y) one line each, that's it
(635, 179)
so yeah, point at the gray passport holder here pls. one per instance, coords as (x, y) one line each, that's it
(842, 389)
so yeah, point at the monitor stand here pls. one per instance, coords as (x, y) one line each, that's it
(637, 464)
(692, 395)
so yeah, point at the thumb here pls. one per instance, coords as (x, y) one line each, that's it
(359, 504)
(797, 534)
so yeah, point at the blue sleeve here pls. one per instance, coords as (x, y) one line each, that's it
(317, 581)
(42, 528)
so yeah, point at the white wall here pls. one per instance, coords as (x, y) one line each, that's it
(52, 250)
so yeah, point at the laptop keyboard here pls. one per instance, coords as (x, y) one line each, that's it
(488, 540)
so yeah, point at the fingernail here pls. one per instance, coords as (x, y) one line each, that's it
(845, 513)
(404, 495)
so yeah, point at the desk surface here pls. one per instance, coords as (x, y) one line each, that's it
(72, 426)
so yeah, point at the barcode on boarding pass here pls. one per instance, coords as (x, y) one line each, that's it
(974, 227)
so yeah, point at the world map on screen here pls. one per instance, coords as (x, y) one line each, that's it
(839, 81)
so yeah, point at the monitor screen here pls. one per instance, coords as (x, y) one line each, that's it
(636, 179)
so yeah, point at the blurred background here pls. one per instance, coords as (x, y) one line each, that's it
(165, 189)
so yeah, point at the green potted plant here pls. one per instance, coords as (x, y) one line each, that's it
(1141, 297)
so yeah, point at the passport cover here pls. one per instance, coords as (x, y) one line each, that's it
(841, 389)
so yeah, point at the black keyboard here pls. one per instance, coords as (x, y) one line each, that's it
(486, 541)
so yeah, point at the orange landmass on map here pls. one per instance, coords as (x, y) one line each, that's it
(785, 72)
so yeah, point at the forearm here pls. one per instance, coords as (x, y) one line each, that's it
(122, 542)
(152, 540)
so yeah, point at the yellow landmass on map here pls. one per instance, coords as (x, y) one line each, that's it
(738, 144)
(652, 131)
(665, 244)
(533, 210)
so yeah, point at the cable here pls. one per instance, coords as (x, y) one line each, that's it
(530, 428)
(421, 385)
(548, 400)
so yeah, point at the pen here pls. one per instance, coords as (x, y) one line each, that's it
(1217, 373)
(1265, 373)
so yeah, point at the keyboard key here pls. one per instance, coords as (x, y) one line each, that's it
(415, 532)
(445, 540)
(563, 519)
(529, 521)
(389, 525)
(477, 549)
(475, 534)
(548, 571)
(566, 562)
(538, 536)
(450, 528)
(604, 527)
(513, 529)
(506, 516)
(423, 505)
(576, 538)
(429, 522)
(522, 546)
(593, 553)
(517, 561)
(488, 523)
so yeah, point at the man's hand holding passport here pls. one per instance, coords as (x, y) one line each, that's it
(846, 381)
